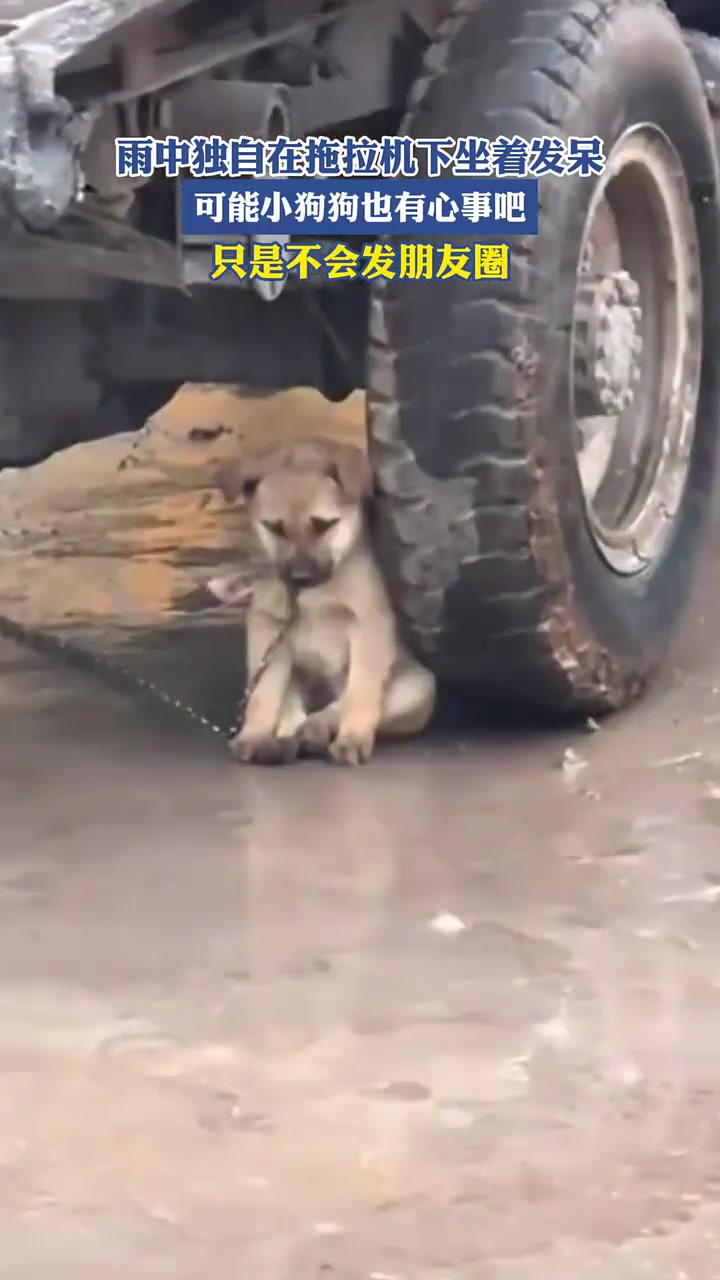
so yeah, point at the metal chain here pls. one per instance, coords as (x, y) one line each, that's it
(114, 673)
(267, 658)
(118, 675)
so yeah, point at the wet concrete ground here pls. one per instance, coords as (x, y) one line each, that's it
(453, 1015)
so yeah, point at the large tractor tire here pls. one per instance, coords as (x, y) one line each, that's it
(545, 446)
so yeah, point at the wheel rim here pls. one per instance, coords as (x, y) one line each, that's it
(636, 349)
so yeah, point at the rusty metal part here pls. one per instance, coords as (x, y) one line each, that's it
(136, 55)
(41, 137)
(187, 57)
(231, 109)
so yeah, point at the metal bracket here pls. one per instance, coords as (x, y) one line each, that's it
(41, 137)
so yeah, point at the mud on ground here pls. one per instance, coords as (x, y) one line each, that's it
(450, 1017)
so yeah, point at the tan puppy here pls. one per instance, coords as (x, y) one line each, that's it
(325, 597)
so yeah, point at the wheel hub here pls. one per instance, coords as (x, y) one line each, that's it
(636, 349)
(608, 343)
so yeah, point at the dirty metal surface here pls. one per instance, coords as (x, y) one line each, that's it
(453, 1015)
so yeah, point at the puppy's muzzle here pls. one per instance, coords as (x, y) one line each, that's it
(302, 572)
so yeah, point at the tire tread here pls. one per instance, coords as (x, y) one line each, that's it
(519, 621)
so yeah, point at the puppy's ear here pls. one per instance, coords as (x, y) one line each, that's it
(350, 468)
(238, 481)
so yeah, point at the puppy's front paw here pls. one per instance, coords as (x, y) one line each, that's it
(351, 748)
(248, 748)
(318, 730)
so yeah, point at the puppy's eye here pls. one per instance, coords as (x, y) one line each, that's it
(276, 527)
(320, 526)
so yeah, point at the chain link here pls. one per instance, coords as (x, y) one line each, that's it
(77, 656)
(116, 674)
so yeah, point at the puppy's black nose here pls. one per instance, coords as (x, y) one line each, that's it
(301, 574)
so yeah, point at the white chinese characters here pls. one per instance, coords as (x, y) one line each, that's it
(344, 209)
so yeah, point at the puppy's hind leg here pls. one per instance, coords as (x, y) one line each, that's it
(409, 702)
(407, 707)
